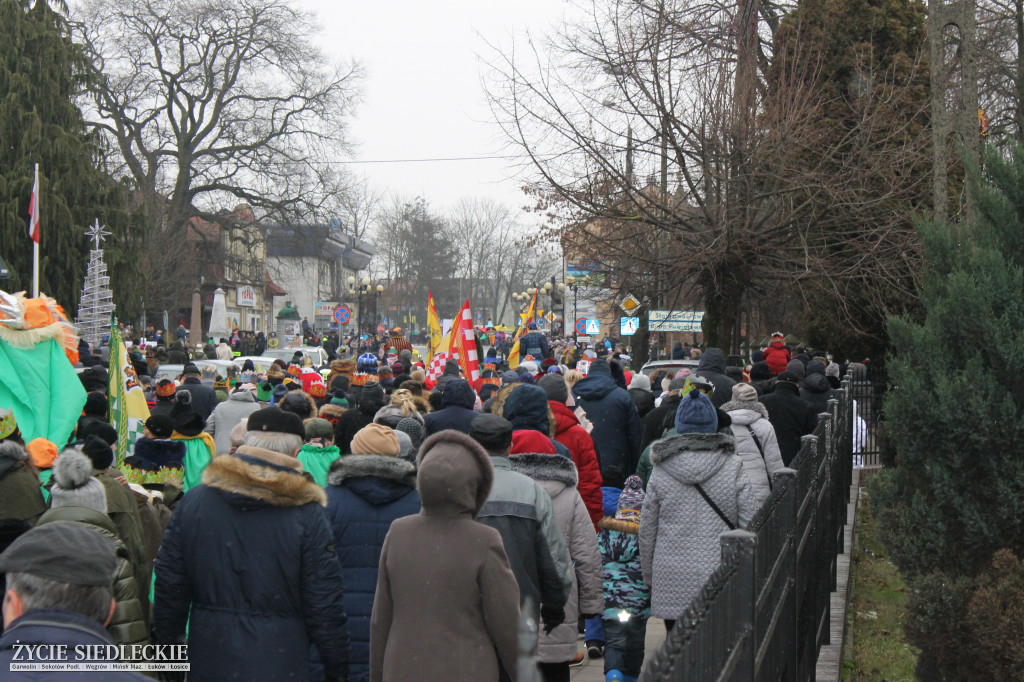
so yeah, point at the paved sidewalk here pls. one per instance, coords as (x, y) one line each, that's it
(592, 670)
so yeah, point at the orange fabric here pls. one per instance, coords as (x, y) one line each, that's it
(42, 453)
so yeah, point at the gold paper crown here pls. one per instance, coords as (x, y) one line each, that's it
(359, 379)
(7, 423)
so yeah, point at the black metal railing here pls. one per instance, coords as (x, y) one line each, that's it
(764, 614)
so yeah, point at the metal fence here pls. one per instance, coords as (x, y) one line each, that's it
(764, 613)
(868, 392)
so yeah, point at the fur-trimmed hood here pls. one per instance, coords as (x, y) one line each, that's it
(454, 474)
(612, 523)
(543, 467)
(745, 412)
(10, 454)
(263, 476)
(693, 457)
(380, 466)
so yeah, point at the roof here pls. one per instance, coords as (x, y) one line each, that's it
(319, 241)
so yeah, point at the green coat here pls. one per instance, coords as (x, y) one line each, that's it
(316, 461)
(123, 512)
(20, 496)
(644, 466)
(128, 626)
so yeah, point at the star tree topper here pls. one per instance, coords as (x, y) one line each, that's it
(97, 233)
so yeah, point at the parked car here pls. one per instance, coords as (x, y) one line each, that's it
(260, 362)
(671, 365)
(317, 354)
(174, 371)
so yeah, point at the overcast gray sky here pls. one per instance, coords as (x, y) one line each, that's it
(423, 97)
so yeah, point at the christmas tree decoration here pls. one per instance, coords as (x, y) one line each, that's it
(97, 304)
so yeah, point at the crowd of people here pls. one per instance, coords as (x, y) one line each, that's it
(369, 523)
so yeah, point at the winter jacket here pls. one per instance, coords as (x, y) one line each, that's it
(366, 493)
(777, 356)
(660, 419)
(815, 387)
(204, 398)
(123, 511)
(224, 352)
(163, 407)
(616, 431)
(527, 408)
(644, 401)
(226, 416)
(351, 421)
(679, 531)
(156, 453)
(624, 586)
(750, 419)
(317, 461)
(712, 367)
(457, 400)
(569, 433)
(522, 513)
(128, 626)
(464, 627)
(20, 496)
(198, 453)
(51, 627)
(248, 562)
(535, 344)
(792, 417)
(644, 468)
(558, 477)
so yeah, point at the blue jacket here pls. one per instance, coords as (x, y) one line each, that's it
(536, 344)
(248, 562)
(365, 493)
(617, 430)
(54, 626)
(456, 411)
(527, 408)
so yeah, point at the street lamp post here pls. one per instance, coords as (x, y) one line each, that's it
(570, 281)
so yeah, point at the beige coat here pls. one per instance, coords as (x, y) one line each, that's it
(447, 603)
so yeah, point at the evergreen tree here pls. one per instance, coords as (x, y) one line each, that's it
(956, 414)
(41, 73)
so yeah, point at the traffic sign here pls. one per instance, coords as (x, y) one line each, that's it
(550, 317)
(675, 320)
(593, 327)
(342, 314)
(628, 325)
(581, 326)
(629, 304)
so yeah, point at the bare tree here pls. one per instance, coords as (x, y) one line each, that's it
(666, 143)
(211, 102)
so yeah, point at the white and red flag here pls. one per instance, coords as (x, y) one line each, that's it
(33, 210)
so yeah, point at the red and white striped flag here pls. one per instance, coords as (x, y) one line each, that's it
(464, 347)
(33, 210)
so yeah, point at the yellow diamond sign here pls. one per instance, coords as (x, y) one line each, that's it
(629, 304)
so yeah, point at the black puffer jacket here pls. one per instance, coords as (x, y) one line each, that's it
(457, 401)
(655, 421)
(616, 422)
(351, 421)
(815, 387)
(712, 367)
(248, 562)
(204, 398)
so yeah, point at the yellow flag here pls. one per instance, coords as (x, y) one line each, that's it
(434, 345)
(513, 356)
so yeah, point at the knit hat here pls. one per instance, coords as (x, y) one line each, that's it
(98, 451)
(815, 367)
(340, 381)
(95, 404)
(788, 377)
(186, 420)
(744, 393)
(696, 414)
(375, 439)
(41, 453)
(510, 377)
(319, 428)
(413, 428)
(297, 403)
(760, 371)
(74, 484)
(798, 368)
(367, 362)
(372, 392)
(556, 388)
(160, 425)
(530, 441)
(190, 368)
(832, 370)
(406, 449)
(631, 501)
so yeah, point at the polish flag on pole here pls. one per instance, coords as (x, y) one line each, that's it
(33, 232)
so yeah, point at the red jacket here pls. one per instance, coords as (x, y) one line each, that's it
(777, 356)
(569, 433)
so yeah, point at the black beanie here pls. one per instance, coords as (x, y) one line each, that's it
(492, 432)
(555, 387)
(99, 452)
(95, 405)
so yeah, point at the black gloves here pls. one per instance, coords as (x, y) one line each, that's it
(552, 617)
